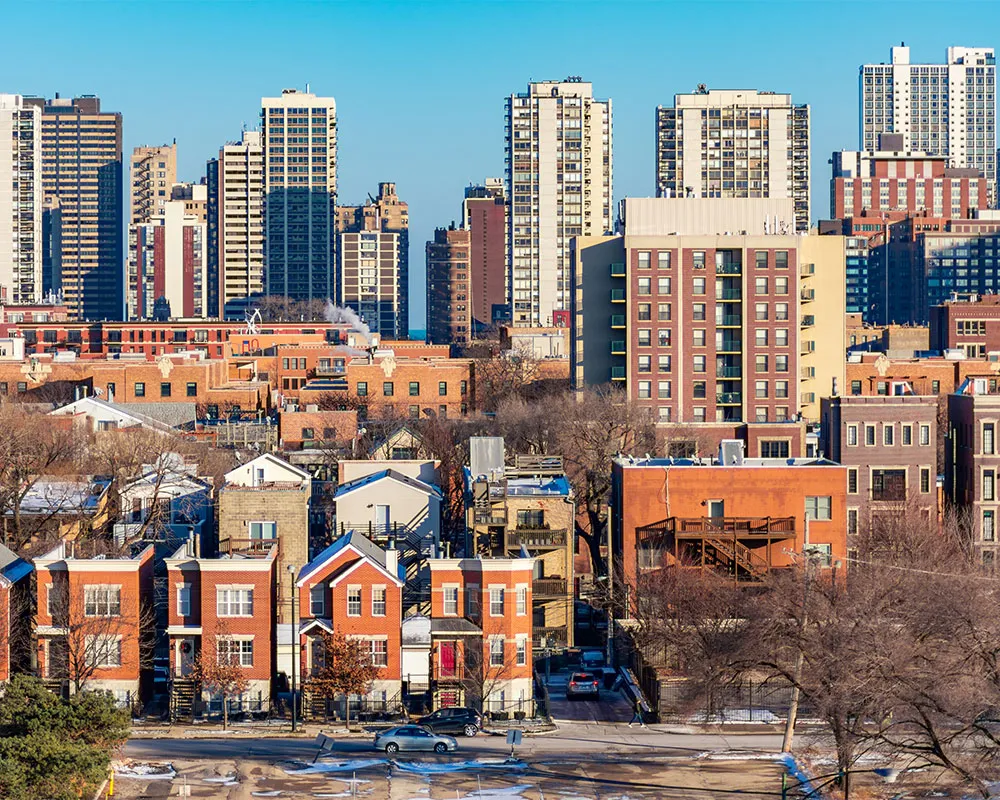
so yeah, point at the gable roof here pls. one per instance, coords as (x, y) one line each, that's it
(402, 432)
(362, 545)
(93, 404)
(268, 458)
(384, 474)
(12, 567)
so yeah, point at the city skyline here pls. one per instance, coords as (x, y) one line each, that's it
(462, 143)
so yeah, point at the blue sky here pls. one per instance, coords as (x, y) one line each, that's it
(420, 85)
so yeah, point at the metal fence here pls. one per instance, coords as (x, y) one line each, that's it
(747, 700)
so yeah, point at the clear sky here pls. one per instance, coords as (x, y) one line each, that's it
(420, 84)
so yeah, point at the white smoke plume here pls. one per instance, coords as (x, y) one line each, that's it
(340, 314)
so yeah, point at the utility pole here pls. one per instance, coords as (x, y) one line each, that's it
(793, 709)
(294, 636)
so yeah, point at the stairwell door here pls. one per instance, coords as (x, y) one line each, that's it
(717, 513)
(382, 519)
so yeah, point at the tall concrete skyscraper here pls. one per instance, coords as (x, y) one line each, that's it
(373, 261)
(300, 190)
(82, 170)
(558, 147)
(236, 225)
(940, 109)
(152, 172)
(20, 199)
(734, 144)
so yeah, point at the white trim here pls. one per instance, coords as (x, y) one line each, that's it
(357, 564)
(184, 630)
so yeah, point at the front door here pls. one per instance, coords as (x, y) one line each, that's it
(382, 519)
(185, 657)
(447, 650)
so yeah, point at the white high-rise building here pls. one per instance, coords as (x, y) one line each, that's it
(558, 145)
(20, 199)
(734, 144)
(300, 191)
(940, 109)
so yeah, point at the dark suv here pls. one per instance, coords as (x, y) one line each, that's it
(453, 720)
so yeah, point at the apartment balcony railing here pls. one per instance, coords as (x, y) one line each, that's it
(728, 269)
(617, 295)
(618, 347)
(488, 517)
(618, 373)
(729, 398)
(536, 538)
(548, 587)
(248, 547)
(618, 270)
(729, 294)
(617, 320)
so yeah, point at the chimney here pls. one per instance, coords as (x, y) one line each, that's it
(392, 558)
(194, 545)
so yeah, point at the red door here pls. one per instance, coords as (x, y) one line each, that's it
(447, 650)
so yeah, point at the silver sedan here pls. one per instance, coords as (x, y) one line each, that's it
(413, 737)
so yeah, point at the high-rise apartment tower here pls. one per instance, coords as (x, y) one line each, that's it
(558, 148)
(20, 199)
(153, 171)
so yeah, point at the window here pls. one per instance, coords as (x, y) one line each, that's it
(781, 285)
(645, 363)
(781, 259)
(777, 448)
(760, 285)
(781, 337)
(852, 520)
(234, 651)
(663, 259)
(317, 601)
(184, 600)
(165, 389)
(888, 435)
(191, 390)
(699, 390)
(989, 485)
(760, 311)
(262, 530)
(463, 387)
(496, 652)
(818, 508)
(869, 435)
(472, 600)
(760, 337)
(760, 389)
(663, 337)
(852, 435)
(988, 445)
(362, 389)
(378, 601)
(140, 389)
(698, 312)
(699, 414)
(388, 389)
(760, 259)
(852, 481)
(925, 480)
(699, 259)
(698, 286)
(698, 339)
(855, 387)
(760, 364)
(354, 601)
(522, 642)
(414, 389)
(442, 388)
(645, 337)
(699, 363)
(307, 433)
(522, 600)
(380, 652)
(664, 363)
(530, 517)
(781, 363)
(414, 412)
(663, 312)
(882, 388)
(644, 262)
(645, 312)
(645, 390)
(230, 602)
(925, 434)
(645, 286)
(781, 311)
(103, 651)
(989, 526)
(102, 601)
(935, 387)
(451, 601)
(889, 484)
(907, 434)
(781, 388)
(496, 601)
(663, 286)
(663, 390)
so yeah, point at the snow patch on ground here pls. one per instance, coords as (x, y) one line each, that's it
(146, 771)
(739, 755)
(736, 715)
(228, 780)
(428, 768)
(334, 766)
(506, 793)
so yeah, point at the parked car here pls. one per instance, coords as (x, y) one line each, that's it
(593, 661)
(582, 684)
(413, 737)
(466, 721)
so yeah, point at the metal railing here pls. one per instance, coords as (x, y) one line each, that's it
(248, 547)
(549, 587)
(536, 537)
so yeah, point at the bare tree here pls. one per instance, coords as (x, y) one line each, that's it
(346, 669)
(504, 374)
(220, 670)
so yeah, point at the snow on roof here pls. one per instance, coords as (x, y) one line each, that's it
(367, 480)
(52, 496)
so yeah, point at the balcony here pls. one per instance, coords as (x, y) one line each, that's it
(728, 269)
(485, 516)
(729, 398)
(729, 320)
(548, 587)
(536, 538)
(729, 345)
(617, 295)
(618, 347)
(728, 372)
(548, 638)
(617, 320)
(254, 548)
(808, 320)
(618, 270)
(743, 527)
(729, 294)
(330, 370)
(618, 373)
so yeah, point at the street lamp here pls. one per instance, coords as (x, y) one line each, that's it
(888, 774)
(294, 635)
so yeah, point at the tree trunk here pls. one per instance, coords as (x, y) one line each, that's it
(225, 712)
(347, 711)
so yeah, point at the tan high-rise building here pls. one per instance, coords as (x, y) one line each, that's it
(373, 261)
(195, 199)
(558, 147)
(20, 199)
(236, 225)
(152, 173)
(82, 169)
(449, 287)
(299, 135)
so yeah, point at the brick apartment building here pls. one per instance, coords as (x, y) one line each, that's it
(970, 323)
(788, 439)
(526, 507)
(354, 588)
(711, 324)
(744, 518)
(972, 463)
(878, 374)
(889, 446)
(15, 617)
(484, 215)
(449, 287)
(222, 605)
(94, 624)
(306, 427)
(481, 634)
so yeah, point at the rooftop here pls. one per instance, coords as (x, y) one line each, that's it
(53, 496)
(629, 461)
